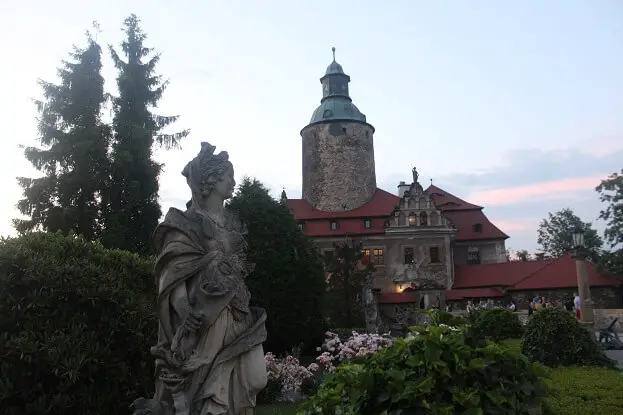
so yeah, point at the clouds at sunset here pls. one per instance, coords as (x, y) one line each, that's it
(554, 189)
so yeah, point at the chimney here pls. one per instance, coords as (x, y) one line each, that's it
(402, 188)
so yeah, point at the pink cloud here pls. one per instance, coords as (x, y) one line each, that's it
(545, 190)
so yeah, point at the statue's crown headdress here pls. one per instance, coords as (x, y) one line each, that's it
(206, 168)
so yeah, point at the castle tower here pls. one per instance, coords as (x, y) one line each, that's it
(338, 149)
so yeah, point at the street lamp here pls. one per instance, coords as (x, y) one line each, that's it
(584, 289)
(578, 237)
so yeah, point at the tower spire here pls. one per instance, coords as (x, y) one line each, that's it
(333, 50)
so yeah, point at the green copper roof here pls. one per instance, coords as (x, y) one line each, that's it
(334, 68)
(337, 108)
(336, 104)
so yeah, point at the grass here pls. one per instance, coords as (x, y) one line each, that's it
(581, 390)
(575, 390)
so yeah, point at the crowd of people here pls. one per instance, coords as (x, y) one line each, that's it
(536, 303)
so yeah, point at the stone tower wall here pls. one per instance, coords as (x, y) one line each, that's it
(338, 165)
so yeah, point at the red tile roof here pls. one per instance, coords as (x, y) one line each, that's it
(561, 273)
(381, 204)
(465, 222)
(447, 201)
(463, 215)
(350, 226)
(454, 295)
(528, 275)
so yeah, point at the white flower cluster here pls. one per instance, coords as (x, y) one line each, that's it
(333, 350)
(288, 371)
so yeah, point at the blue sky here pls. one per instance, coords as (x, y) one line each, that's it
(515, 105)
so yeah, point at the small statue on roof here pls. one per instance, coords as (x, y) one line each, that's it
(416, 176)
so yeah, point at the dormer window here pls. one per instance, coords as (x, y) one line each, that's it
(478, 228)
(367, 223)
(334, 225)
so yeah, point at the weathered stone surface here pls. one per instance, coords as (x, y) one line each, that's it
(209, 356)
(338, 165)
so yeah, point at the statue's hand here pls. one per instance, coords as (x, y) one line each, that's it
(193, 321)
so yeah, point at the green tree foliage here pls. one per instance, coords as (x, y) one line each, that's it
(76, 325)
(133, 208)
(440, 370)
(346, 277)
(611, 193)
(555, 234)
(73, 155)
(288, 279)
(555, 338)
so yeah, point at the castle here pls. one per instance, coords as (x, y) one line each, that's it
(427, 245)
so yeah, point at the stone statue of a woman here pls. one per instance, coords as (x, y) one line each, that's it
(209, 356)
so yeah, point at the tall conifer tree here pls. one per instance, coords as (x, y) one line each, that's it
(132, 199)
(73, 150)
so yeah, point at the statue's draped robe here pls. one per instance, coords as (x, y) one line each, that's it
(203, 264)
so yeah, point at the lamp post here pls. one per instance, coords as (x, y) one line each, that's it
(584, 289)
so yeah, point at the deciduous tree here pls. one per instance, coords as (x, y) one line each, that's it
(555, 234)
(611, 193)
(347, 270)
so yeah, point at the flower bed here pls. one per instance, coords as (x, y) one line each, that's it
(289, 381)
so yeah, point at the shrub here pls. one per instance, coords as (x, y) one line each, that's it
(436, 370)
(554, 337)
(586, 390)
(498, 324)
(76, 325)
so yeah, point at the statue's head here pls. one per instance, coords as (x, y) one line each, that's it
(210, 173)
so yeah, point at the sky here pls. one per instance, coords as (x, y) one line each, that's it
(513, 105)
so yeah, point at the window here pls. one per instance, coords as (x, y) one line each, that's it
(423, 219)
(367, 223)
(301, 226)
(378, 257)
(374, 255)
(334, 225)
(365, 256)
(473, 256)
(478, 228)
(412, 219)
(434, 254)
(409, 255)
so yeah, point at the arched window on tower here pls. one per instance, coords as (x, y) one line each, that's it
(423, 219)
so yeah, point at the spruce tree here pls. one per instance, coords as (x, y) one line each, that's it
(288, 279)
(73, 149)
(133, 208)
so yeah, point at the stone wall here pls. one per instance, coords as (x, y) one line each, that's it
(604, 317)
(338, 165)
(491, 252)
(604, 297)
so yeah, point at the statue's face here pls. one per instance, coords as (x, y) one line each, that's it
(225, 187)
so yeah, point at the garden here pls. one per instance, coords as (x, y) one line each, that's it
(487, 363)
(76, 319)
